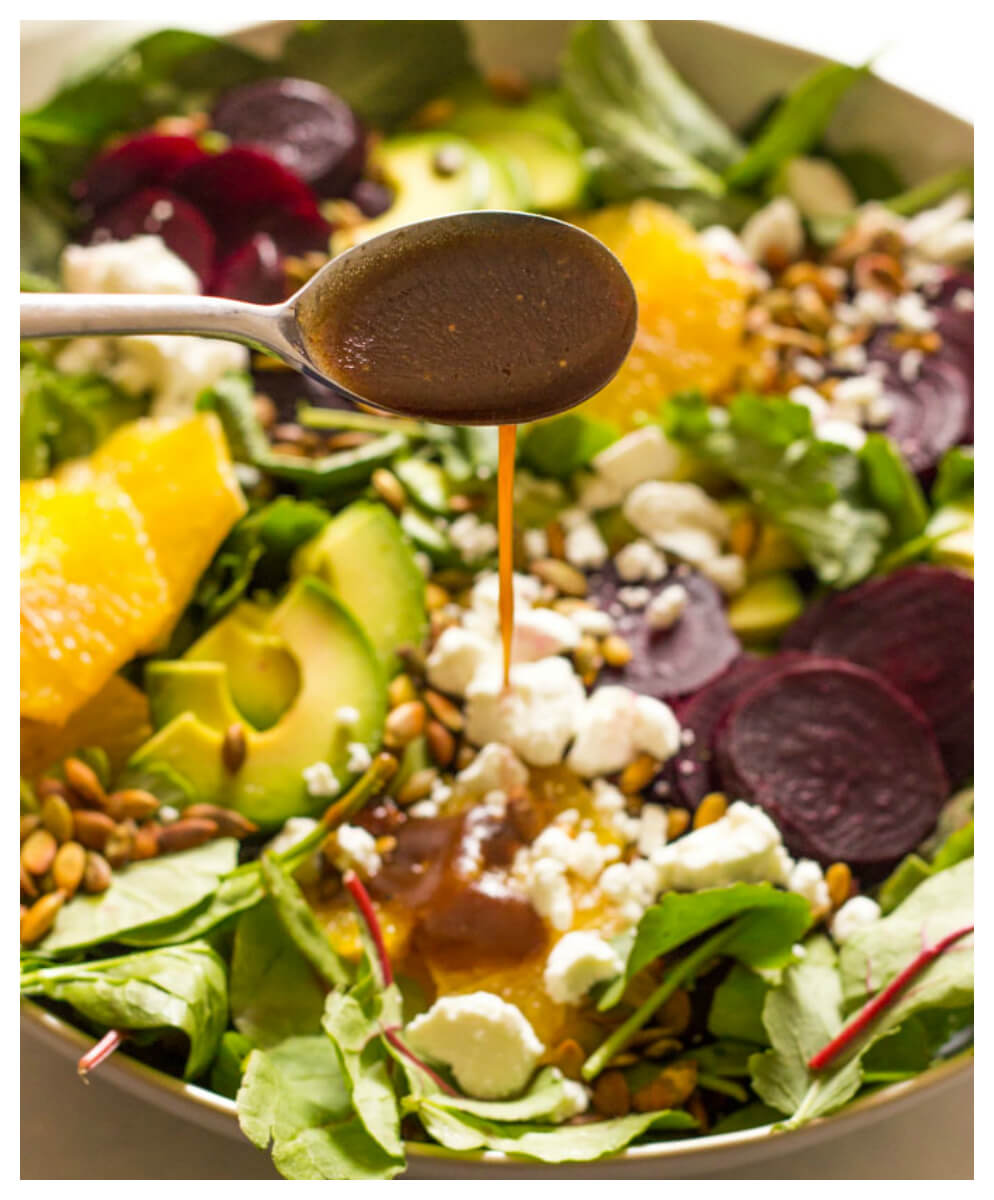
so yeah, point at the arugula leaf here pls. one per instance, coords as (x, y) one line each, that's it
(819, 493)
(562, 445)
(954, 480)
(177, 987)
(872, 957)
(296, 1098)
(737, 1006)
(796, 124)
(275, 993)
(300, 925)
(383, 69)
(563, 1143)
(652, 134)
(801, 1015)
(354, 1021)
(153, 890)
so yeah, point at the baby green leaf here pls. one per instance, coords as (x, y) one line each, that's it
(737, 1006)
(176, 987)
(300, 924)
(560, 446)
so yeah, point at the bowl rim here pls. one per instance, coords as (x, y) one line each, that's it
(138, 1077)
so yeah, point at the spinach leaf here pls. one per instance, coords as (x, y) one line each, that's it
(652, 135)
(750, 1117)
(820, 493)
(295, 1098)
(177, 987)
(153, 890)
(954, 480)
(562, 445)
(871, 176)
(737, 1006)
(892, 488)
(300, 925)
(546, 1098)
(275, 993)
(354, 1022)
(801, 1015)
(796, 124)
(229, 1064)
(383, 69)
(913, 869)
(563, 1143)
(235, 893)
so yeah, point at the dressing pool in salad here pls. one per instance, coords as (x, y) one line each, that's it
(684, 846)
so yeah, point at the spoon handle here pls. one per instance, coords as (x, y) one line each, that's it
(56, 314)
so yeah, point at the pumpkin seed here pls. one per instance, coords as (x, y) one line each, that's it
(40, 917)
(38, 852)
(56, 816)
(616, 651)
(446, 712)
(117, 848)
(638, 774)
(84, 782)
(677, 822)
(28, 886)
(712, 808)
(29, 823)
(611, 1097)
(417, 787)
(69, 867)
(838, 877)
(404, 724)
(229, 822)
(234, 748)
(401, 690)
(441, 743)
(135, 803)
(97, 874)
(389, 488)
(185, 834)
(146, 843)
(92, 828)
(560, 575)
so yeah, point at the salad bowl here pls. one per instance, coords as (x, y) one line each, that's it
(921, 140)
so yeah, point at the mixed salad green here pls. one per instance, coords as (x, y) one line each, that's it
(344, 883)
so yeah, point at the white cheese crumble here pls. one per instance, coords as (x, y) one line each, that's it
(359, 758)
(592, 621)
(356, 849)
(743, 846)
(634, 597)
(615, 725)
(321, 780)
(473, 539)
(775, 229)
(541, 632)
(644, 454)
(495, 767)
(678, 517)
(842, 433)
(639, 561)
(585, 548)
(456, 658)
(347, 716)
(726, 571)
(577, 962)
(665, 609)
(140, 265)
(808, 880)
(853, 916)
(487, 1043)
(535, 543)
(652, 829)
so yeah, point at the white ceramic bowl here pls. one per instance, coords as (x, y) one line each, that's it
(736, 72)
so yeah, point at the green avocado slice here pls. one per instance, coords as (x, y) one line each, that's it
(338, 668)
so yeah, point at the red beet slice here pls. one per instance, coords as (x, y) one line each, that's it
(844, 763)
(243, 192)
(146, 160)
(253, 272)
(175, 220)
(915, 627)
(302, 125)
(676, 661)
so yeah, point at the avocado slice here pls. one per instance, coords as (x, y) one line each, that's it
(362, 555)
(510, 183)
(337, 668)
(951, 526)
(766, 607)
(431, 174)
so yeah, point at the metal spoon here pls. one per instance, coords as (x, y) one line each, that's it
(475, 318)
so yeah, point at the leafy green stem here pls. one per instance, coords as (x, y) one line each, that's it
(684, 970)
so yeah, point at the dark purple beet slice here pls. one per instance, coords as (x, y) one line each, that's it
(175, 220)
(676, 661)
(253, 272)
(371, 198)
(146, 160)
(302, 125)
(844, 763)
(915, 627)
(244, 191)
(692, 771)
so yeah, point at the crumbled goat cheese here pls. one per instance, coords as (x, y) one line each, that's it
(719, 240)
(638, 561)
(456, 659)
(592, 621)
(632, 887)
(541, 632)
(853, 916)
(487, 1043)
(594, 493)
(652, 829)
(911, 312)
(963, 300)
(536, 716)
(535, 543)
(850, 358)
(744, 846)
(140, 265)
(424, 563)
(854, 397)
(495, 766)
(175, 369)
(871, 305)
(637, 457)
(356, 849)
(678, 517)
(842, 433)
(615, 725)
(484, 613)
(582, 853)
(665, 609)
(549, 892)
(473, 539)
(574, 1102)
(576, 963)
(359, 758)
(813, 401)
(808, 880)
(424, 809)
(585, 548)
(943, 233)
(809, 369)
(726, 571)
(347, 716)
(634, 597)
(775, 229)
(321, 780)
(294, 830)
(910, 365)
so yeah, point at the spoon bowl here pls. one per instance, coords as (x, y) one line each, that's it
(481, 317)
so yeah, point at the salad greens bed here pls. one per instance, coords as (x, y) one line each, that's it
(217, 962)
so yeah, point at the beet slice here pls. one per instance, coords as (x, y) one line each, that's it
(844, 763)
(253, 272)
(306, 128)
(175, 220)
(676, 661)
(915, 627)
(243, 192)
(146, 160)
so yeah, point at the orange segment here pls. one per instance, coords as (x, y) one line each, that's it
(692, 306)
(181, 480)
(116, 719)
(92, 594)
